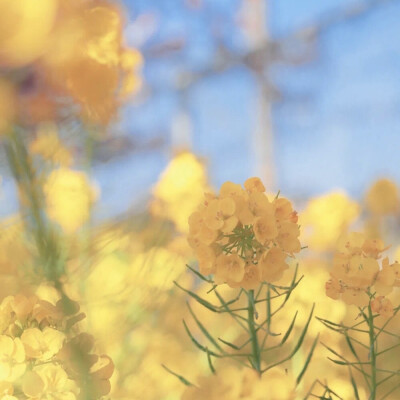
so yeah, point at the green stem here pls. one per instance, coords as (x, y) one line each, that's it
(372, 353)
(256, 358)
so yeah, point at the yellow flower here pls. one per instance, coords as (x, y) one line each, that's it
(326, 218)
(49, 382)
(219, 215)
(180, 189)
(385, 279)
(69, 197)
(383, 198)
(287, 239)
(351, 243)
(362, 271)
(100, 374)
(333, 289)
(260, 206)
(273, 264)
(382, 306)
(48, 145)
(206, 258)
(254, 185)
(251, 278)
(356, 270)
(12, 358)
(6, 388)
(355, 296)
(265, 229)
(42, 345)
(284, 210)
(25, 30)
(229, 268)
(244, 225)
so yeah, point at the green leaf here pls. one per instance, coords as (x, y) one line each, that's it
(288, 332)
(310, 354)
(229, 344)
(201, 276)
(204, 330)
(197, 344)
(203, 302)
(354, 384)
(210, 362)
(180, 377)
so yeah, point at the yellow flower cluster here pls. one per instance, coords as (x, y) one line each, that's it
(39, 352)
(242, 237)
(357, 275)
(65, 50)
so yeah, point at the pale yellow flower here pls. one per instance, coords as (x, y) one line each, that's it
(49, 382)
(42, 345)
(12, 358)
(69, 198)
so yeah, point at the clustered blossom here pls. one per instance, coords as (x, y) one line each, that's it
(39, 352)
(359, 275)
(243, 237)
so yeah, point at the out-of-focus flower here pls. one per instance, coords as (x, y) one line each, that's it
(25, 30)
(67, 53)
(69, 197)
(383, 198)
(242, 237)
(356, 271)
(234, 384)
(180, 190)
(326, 218)
(47, 144)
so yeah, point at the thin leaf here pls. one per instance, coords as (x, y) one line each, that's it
(180, 377)
(201, 276)
(204, 330)
(229, 344)
(197, 344)
(310, 354)
(354, 384)
(288, 332)
(203, 302)
(210, 362)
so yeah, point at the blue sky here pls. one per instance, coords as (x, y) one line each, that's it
(336, 122)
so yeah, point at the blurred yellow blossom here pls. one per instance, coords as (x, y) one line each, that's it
(25, 29)
(180, 189)
(383, 197)
(234, 384)
(48, 145)
(326, 218)
(69, 198)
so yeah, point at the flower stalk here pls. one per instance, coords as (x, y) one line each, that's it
(251, 316)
